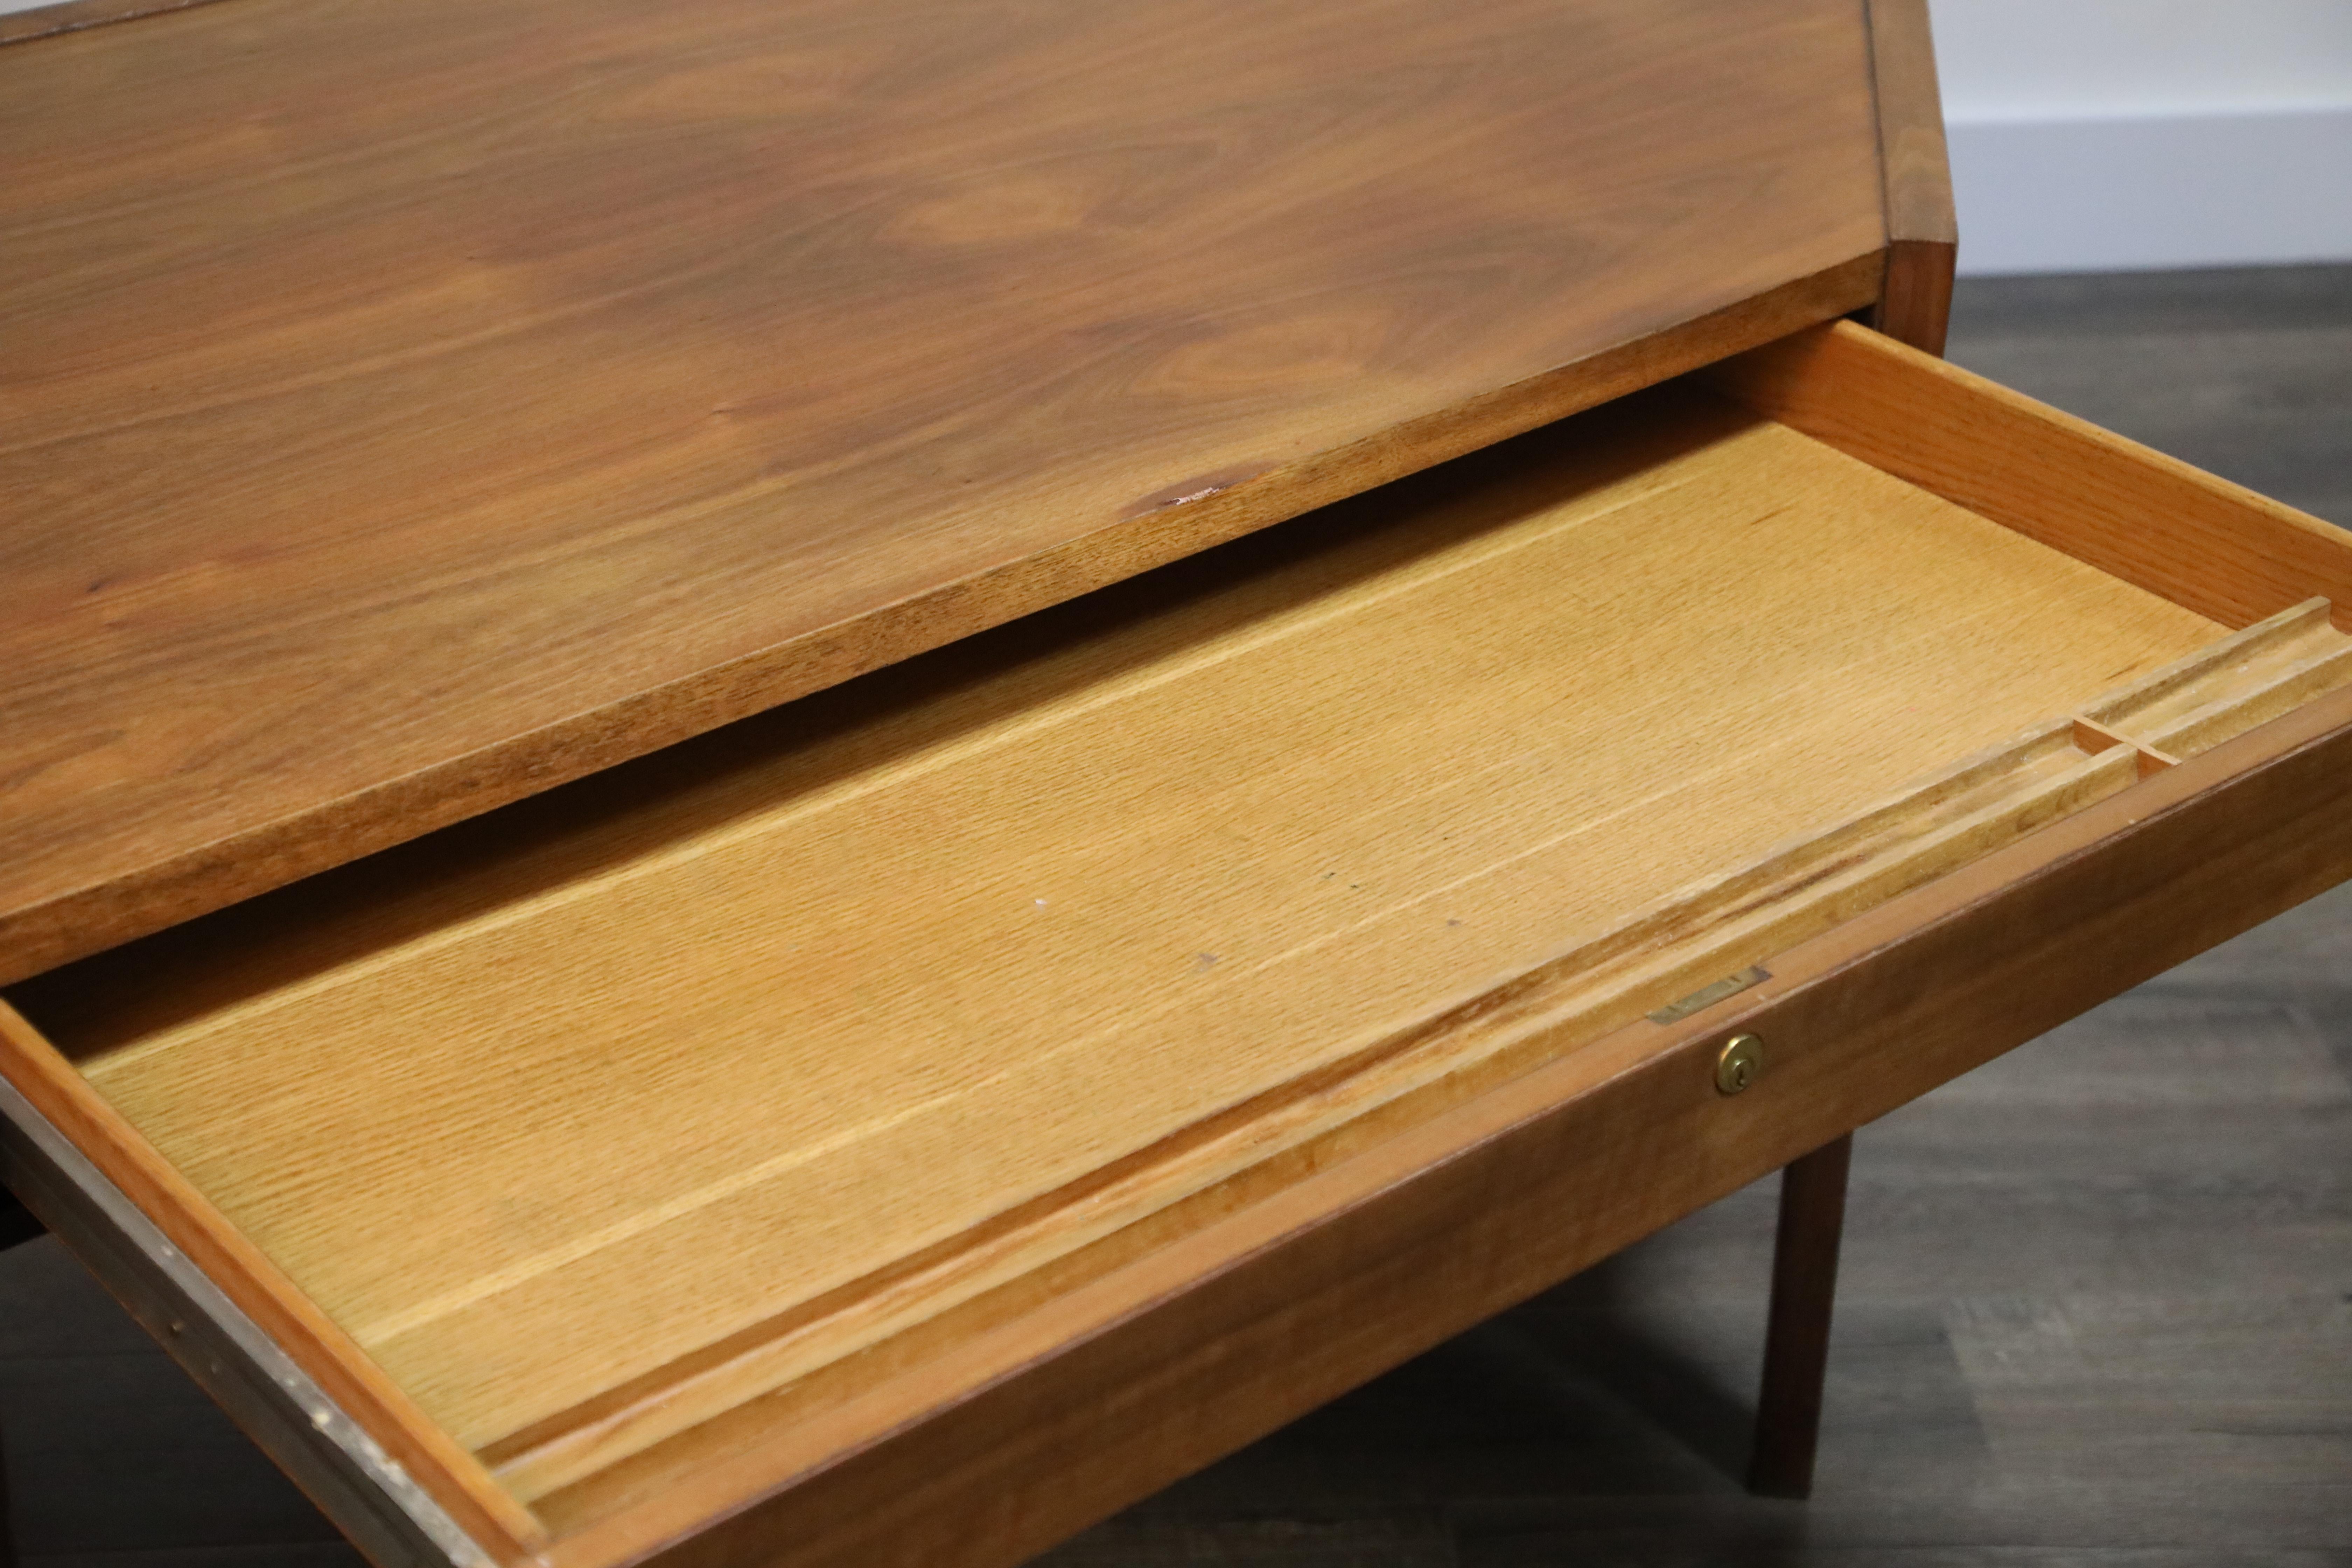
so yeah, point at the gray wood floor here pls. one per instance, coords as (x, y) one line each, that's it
(2097, 1298)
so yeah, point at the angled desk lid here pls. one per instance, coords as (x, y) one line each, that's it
(407, 407)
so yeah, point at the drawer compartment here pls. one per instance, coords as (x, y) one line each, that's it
(796, 1103)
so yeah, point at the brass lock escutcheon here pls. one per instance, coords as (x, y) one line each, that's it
(1742, 1059)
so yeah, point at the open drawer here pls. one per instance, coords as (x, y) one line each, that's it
(907, 1125)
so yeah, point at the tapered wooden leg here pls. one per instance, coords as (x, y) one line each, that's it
(1797, 1337)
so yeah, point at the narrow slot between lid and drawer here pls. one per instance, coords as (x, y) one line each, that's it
(768, 1063)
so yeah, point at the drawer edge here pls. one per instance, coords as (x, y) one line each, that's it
(367, 1493)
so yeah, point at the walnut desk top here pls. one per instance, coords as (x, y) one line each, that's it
(406, 408)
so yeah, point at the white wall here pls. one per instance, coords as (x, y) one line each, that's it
(2089, 135)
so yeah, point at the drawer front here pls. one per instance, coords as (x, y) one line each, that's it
(915, 1122)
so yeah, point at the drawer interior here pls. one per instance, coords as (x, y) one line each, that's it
(765, 1065)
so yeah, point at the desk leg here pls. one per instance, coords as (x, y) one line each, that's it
(1797, 1337)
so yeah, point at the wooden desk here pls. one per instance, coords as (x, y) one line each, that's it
(821, 784)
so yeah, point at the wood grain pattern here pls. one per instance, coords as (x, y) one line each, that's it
(1922, 232)
(408, 408)
(2218, 548)
(79, 15)
(1059, 1419)
(665, 1085)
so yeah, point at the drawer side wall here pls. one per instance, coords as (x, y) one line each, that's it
(2213, 547)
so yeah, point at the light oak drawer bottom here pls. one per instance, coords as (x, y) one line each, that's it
(836, 1084)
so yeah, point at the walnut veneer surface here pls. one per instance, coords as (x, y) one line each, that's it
(407, 407)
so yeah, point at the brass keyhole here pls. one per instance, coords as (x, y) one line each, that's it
(1741, 1064)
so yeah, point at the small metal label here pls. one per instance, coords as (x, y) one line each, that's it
(1709, 996)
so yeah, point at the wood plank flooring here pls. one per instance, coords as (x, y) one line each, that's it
(2097, 1298)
